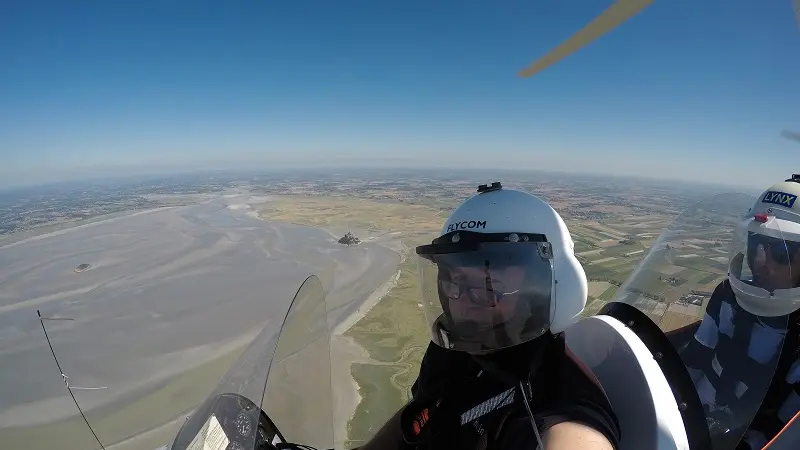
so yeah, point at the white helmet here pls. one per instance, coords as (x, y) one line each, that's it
(764, 269)
(502, 273)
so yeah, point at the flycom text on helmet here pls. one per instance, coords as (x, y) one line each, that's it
(466, 225)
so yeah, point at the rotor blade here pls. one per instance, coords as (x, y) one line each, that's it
(796, 7)
(611, 18)
(791, 135)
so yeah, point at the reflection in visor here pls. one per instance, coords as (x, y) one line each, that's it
(486, 292)
(488, 297)
(780, 251)
(771, 261)
(480, 297)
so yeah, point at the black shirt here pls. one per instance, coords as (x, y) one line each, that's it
(563, 390)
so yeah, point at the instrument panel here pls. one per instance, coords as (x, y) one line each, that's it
(232, 423)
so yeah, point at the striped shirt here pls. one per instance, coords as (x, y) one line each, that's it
(734, 358)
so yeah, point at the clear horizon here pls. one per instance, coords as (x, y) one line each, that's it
(683, 91)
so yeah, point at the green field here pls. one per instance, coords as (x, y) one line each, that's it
(619, 264)
(702, 264)
(709, 278)
(587, 235)
(649, 282)
(582, 246)
(619, 250)
(352, 213)
(601, 272)
(603, 233)
(380, 401)
(695, 276)
(593, 307)
(608, 294)
(395, 334)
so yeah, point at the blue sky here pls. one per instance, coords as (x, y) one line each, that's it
(686, 89)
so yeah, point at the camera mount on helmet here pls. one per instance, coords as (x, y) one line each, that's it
(496, 186)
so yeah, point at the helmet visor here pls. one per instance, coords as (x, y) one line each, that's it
(484, 296)
(764, 258)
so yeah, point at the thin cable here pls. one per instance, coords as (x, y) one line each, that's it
(530, 415)
(65, 380)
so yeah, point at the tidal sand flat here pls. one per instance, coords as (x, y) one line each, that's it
(164, 303)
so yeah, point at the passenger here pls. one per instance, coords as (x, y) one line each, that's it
(744, 332)
(497, 373)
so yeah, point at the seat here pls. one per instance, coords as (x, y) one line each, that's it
(648, 414)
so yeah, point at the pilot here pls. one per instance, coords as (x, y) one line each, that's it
(743, 345)
(497, 373)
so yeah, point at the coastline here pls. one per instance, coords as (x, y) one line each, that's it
(345, 352)
(368, 304)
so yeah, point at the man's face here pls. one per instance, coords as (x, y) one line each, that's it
(774, 268)
(484, 296)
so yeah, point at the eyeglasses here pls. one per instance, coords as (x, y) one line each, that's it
(486, 295)
(782, 252)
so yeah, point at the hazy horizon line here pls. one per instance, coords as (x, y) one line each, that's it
(153, 173)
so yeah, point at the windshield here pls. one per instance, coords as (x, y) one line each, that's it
(277, 391)
(718, 357)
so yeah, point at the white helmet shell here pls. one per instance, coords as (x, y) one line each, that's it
(513, 211)
(776, 215)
